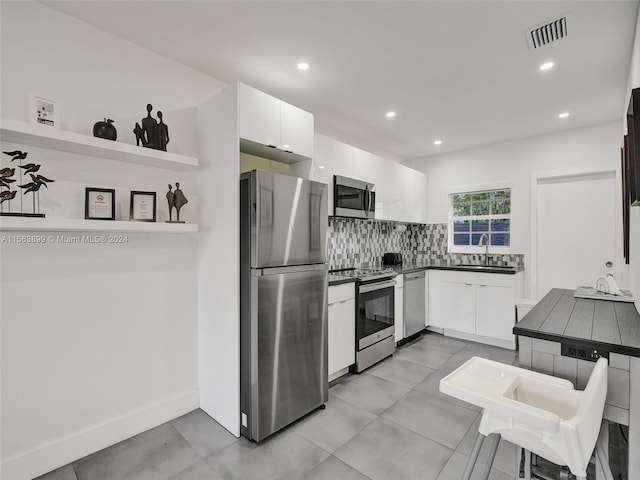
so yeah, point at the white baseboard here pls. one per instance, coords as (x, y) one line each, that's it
(60, 452)
(496, 342)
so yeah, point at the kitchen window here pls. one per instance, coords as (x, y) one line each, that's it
(474, 213)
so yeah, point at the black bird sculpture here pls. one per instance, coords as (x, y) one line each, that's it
(31, 187)
(7, 195)
(40, 179)
(17, 155)
(30, 167)
(5, 181)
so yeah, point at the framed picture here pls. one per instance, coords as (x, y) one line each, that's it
(99, 204)
(626, 198)
(143, 207)
(44, 112)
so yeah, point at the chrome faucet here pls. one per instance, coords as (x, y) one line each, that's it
(486, 247)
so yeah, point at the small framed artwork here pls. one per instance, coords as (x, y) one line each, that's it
(100, 204)
(44, 112)
(143, 206)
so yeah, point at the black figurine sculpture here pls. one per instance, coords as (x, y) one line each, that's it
(162, 134)
(171, 202)
(32, 187)
(152, 134)
(176, 199)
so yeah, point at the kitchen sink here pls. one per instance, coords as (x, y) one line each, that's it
(485, 267)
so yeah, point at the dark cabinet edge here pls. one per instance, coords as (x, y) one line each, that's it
(610, 347)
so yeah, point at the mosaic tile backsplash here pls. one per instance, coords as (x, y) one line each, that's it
(362, 243)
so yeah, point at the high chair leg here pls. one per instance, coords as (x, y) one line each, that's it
(495, 441)
(473, 457)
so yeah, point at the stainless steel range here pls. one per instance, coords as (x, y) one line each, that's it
(375, 302)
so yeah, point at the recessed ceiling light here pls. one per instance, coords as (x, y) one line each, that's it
(438, 142)
(563, 115)
(390, 114)
(321, 167)
(303, 66)
(547, 66)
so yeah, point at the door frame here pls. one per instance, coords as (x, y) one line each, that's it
(536, 179)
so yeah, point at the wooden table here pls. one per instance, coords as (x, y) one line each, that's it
(562, 335)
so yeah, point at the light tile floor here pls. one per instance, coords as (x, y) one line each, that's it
(389, 422)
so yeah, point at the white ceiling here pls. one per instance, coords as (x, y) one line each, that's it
(460, 71)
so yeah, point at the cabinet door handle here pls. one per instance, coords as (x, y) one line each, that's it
(469, 284)
(482, 285)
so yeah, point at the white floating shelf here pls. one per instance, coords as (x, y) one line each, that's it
(49, 137)
(28, 224)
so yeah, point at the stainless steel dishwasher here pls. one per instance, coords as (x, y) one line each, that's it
(414, 302)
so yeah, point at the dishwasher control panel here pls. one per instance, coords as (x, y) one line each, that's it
(582, 353)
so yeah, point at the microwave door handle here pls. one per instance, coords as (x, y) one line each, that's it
(368, 200)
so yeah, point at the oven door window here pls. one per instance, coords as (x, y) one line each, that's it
(375, 311)
(351, 198)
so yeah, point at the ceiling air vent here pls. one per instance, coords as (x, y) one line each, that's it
(547, 33)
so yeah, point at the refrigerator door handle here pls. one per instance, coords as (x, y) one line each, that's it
(261, 272)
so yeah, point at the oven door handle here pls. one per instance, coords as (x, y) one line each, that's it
(376, 286)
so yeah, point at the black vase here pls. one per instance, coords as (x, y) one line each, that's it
(105, 130)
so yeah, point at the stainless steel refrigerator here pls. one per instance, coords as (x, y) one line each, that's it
(283, 301)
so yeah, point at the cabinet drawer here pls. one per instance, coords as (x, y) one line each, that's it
(340, 293)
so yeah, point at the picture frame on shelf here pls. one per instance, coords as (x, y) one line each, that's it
(142, 206)
(99, 203)
(44, 111)
(626, 198)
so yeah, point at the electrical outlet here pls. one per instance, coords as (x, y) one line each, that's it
(582, 353)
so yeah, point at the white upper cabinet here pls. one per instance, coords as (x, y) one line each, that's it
(272, 128)
(296, 130)
(401, 192)
(413, 186)
(259, 116)
(419, 207)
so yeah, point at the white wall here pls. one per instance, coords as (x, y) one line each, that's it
(632, 271)
(219, 260)
(514, 162)
(99, 342)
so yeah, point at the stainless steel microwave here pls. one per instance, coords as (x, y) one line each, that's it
(353, 198)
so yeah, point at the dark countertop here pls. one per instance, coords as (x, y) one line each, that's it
(599, 324)
(414, 267)
(445, 265)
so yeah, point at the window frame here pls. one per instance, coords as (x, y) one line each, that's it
(474, 249)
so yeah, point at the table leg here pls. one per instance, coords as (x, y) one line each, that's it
(634, 418)
(602, 455)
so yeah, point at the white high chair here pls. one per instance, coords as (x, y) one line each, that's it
(541, 413)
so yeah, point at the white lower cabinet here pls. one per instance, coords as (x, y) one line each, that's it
(342, 329)
(458, 306)
(495, 312)
(474, 306)
(398, 311)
